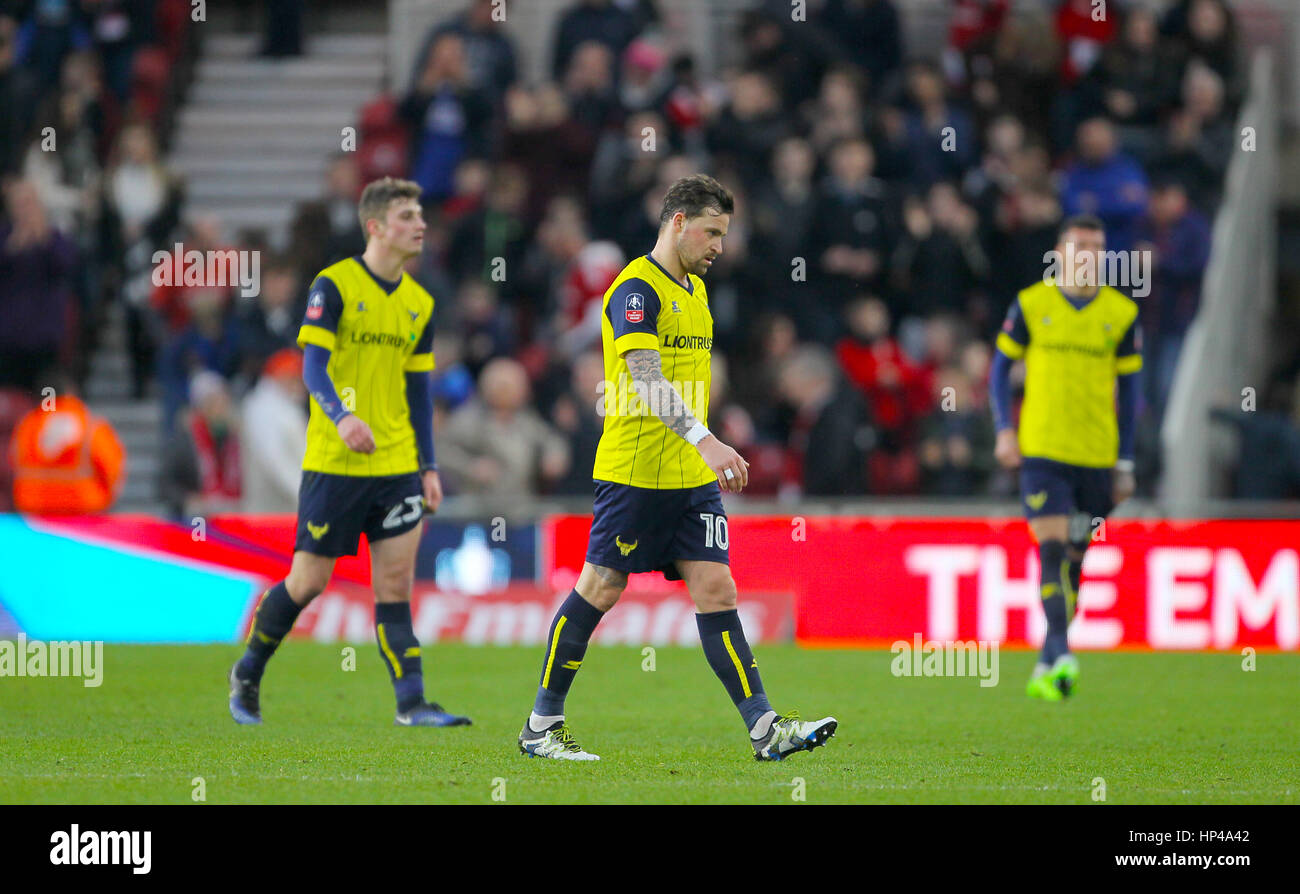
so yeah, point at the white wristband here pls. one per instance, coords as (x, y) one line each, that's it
(697, 433)
(1124, 465)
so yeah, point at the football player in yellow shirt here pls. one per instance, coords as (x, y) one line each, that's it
(659, 476)
(1082, 348)
(369, 466)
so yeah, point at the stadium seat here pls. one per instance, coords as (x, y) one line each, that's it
(149, 76)
(172, 21)
(384, 140)
(384, 156)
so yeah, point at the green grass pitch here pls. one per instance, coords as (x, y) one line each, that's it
(1157, 728)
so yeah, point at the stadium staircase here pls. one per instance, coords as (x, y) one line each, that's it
(256, 135)
(252, 140)
(138, 422)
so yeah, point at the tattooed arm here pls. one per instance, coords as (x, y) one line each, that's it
(646, 368)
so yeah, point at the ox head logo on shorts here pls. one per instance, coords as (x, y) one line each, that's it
(625, 548)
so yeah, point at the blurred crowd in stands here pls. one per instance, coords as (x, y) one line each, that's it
(86, 88)
(888, 209)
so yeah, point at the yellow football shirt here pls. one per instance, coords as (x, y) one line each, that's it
(645, 307)
(1072, 358)
(376, 332)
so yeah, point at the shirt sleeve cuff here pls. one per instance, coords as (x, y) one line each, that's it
(1009, 346)
(1128, 365)
(315, 335)
(635, 341)
(418, 363)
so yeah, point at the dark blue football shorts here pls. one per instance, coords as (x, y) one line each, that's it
(1051, 488)
(335, 510)
(638, 529)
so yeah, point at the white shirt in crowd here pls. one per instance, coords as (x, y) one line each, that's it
(274, 441)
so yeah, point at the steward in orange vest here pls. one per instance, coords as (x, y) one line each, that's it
(66, 460)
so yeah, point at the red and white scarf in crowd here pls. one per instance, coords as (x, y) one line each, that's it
(218, 468)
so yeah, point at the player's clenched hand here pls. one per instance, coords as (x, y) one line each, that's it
(1122, 486)
(721, 458)
(356, 434)
(432, 490)
(1007, 449)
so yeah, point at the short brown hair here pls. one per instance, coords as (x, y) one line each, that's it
(1081, 222)
(379, 194)
(693, 196)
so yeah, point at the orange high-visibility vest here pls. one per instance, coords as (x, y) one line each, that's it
(66, 460)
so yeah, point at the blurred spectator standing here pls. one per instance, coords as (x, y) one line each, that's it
(497, 446)
(622, 170)
(342, 190)
(170, 302)
(938, 260)
(1015, 69)
(1084, 35)
(1106, 182)
(784, 209)
(1207, 31)
(328, 230)
(1177, 238)
(37, 270)
(783, 50)
(735, 427)
(68, 181)
(554, 150)
(453, 384)
(489, 55)
(956, 439)
(66, 169)
(484, 326)
(1199, 138)
(141, 208)
(19, 94)
(200, 473)
(270, 321)
(599, 21)
(838, 112)
(488, 242)
(831, 434)
(118, 27)
(578, 416)
(773, 340)
(52, 30)
(972, 21)
(66, 460)
(273, 435)
(940, 134)
(896, 390)
(450, 117)
(645, 82)
(868, 33)
(589, 87)
(209, 342)
(576, 271)
(850, 238)
(283, 28)
(1136, 80)
(749, 127)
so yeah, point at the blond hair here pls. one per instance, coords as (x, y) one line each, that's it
(379, 194)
